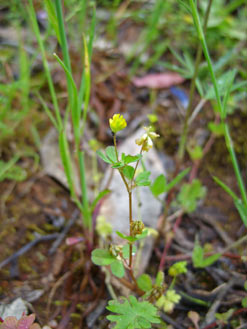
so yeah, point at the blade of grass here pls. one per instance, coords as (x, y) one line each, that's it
(227, 136)
(24, 75)
(52, 18)
(62, 34)
(64, 46)
(90, 50)
(227, 93)
(66, 160)
(74, 105)
(194, 83)
(86, 209)
(48, 111)
(34, 22)
(86, 73)
(226, 188)
(92, 34)
(87, 84)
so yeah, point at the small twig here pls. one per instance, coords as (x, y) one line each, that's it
(54, 288)
(197, 110)
(93, 316)
(28, 246)
(167, 319)
(236, 244)
(215, 323)
(65, 320)
(210, 316)
(175, 215)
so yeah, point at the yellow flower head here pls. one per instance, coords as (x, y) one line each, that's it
(146, 140)
(117, 123)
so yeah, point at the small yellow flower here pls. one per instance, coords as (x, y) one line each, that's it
(117, 123)
(146, 140)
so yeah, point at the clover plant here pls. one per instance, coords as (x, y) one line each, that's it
(132, 312)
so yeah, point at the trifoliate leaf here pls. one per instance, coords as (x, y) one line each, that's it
(217, 129)
(142, 179)
(177, 179)
(195, 152)
(133, 238)
(126, 159)
(177, 268)
(189, 195)
(102, 257)
(224, 317)
(198, 257)
(117, 165)
(111, 153)
(158, 186)
(132, 314)
(128, 172)
(110, 157)
(198, 254)
(244, 302)
(144, 282)
(117, 268)
(103, 157)
(168, 301)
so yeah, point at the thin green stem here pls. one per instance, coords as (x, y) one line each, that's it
(115, 145)
(86, 210)
(62, 34)
(228, 140)
(202, 39)
(230, 148)
(184, 135)
(136, 166)
(172, 283)
(122, 175)
(87, 88)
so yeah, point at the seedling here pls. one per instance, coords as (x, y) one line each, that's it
(199, 259)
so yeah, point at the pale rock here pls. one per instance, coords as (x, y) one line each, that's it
(16, 308)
